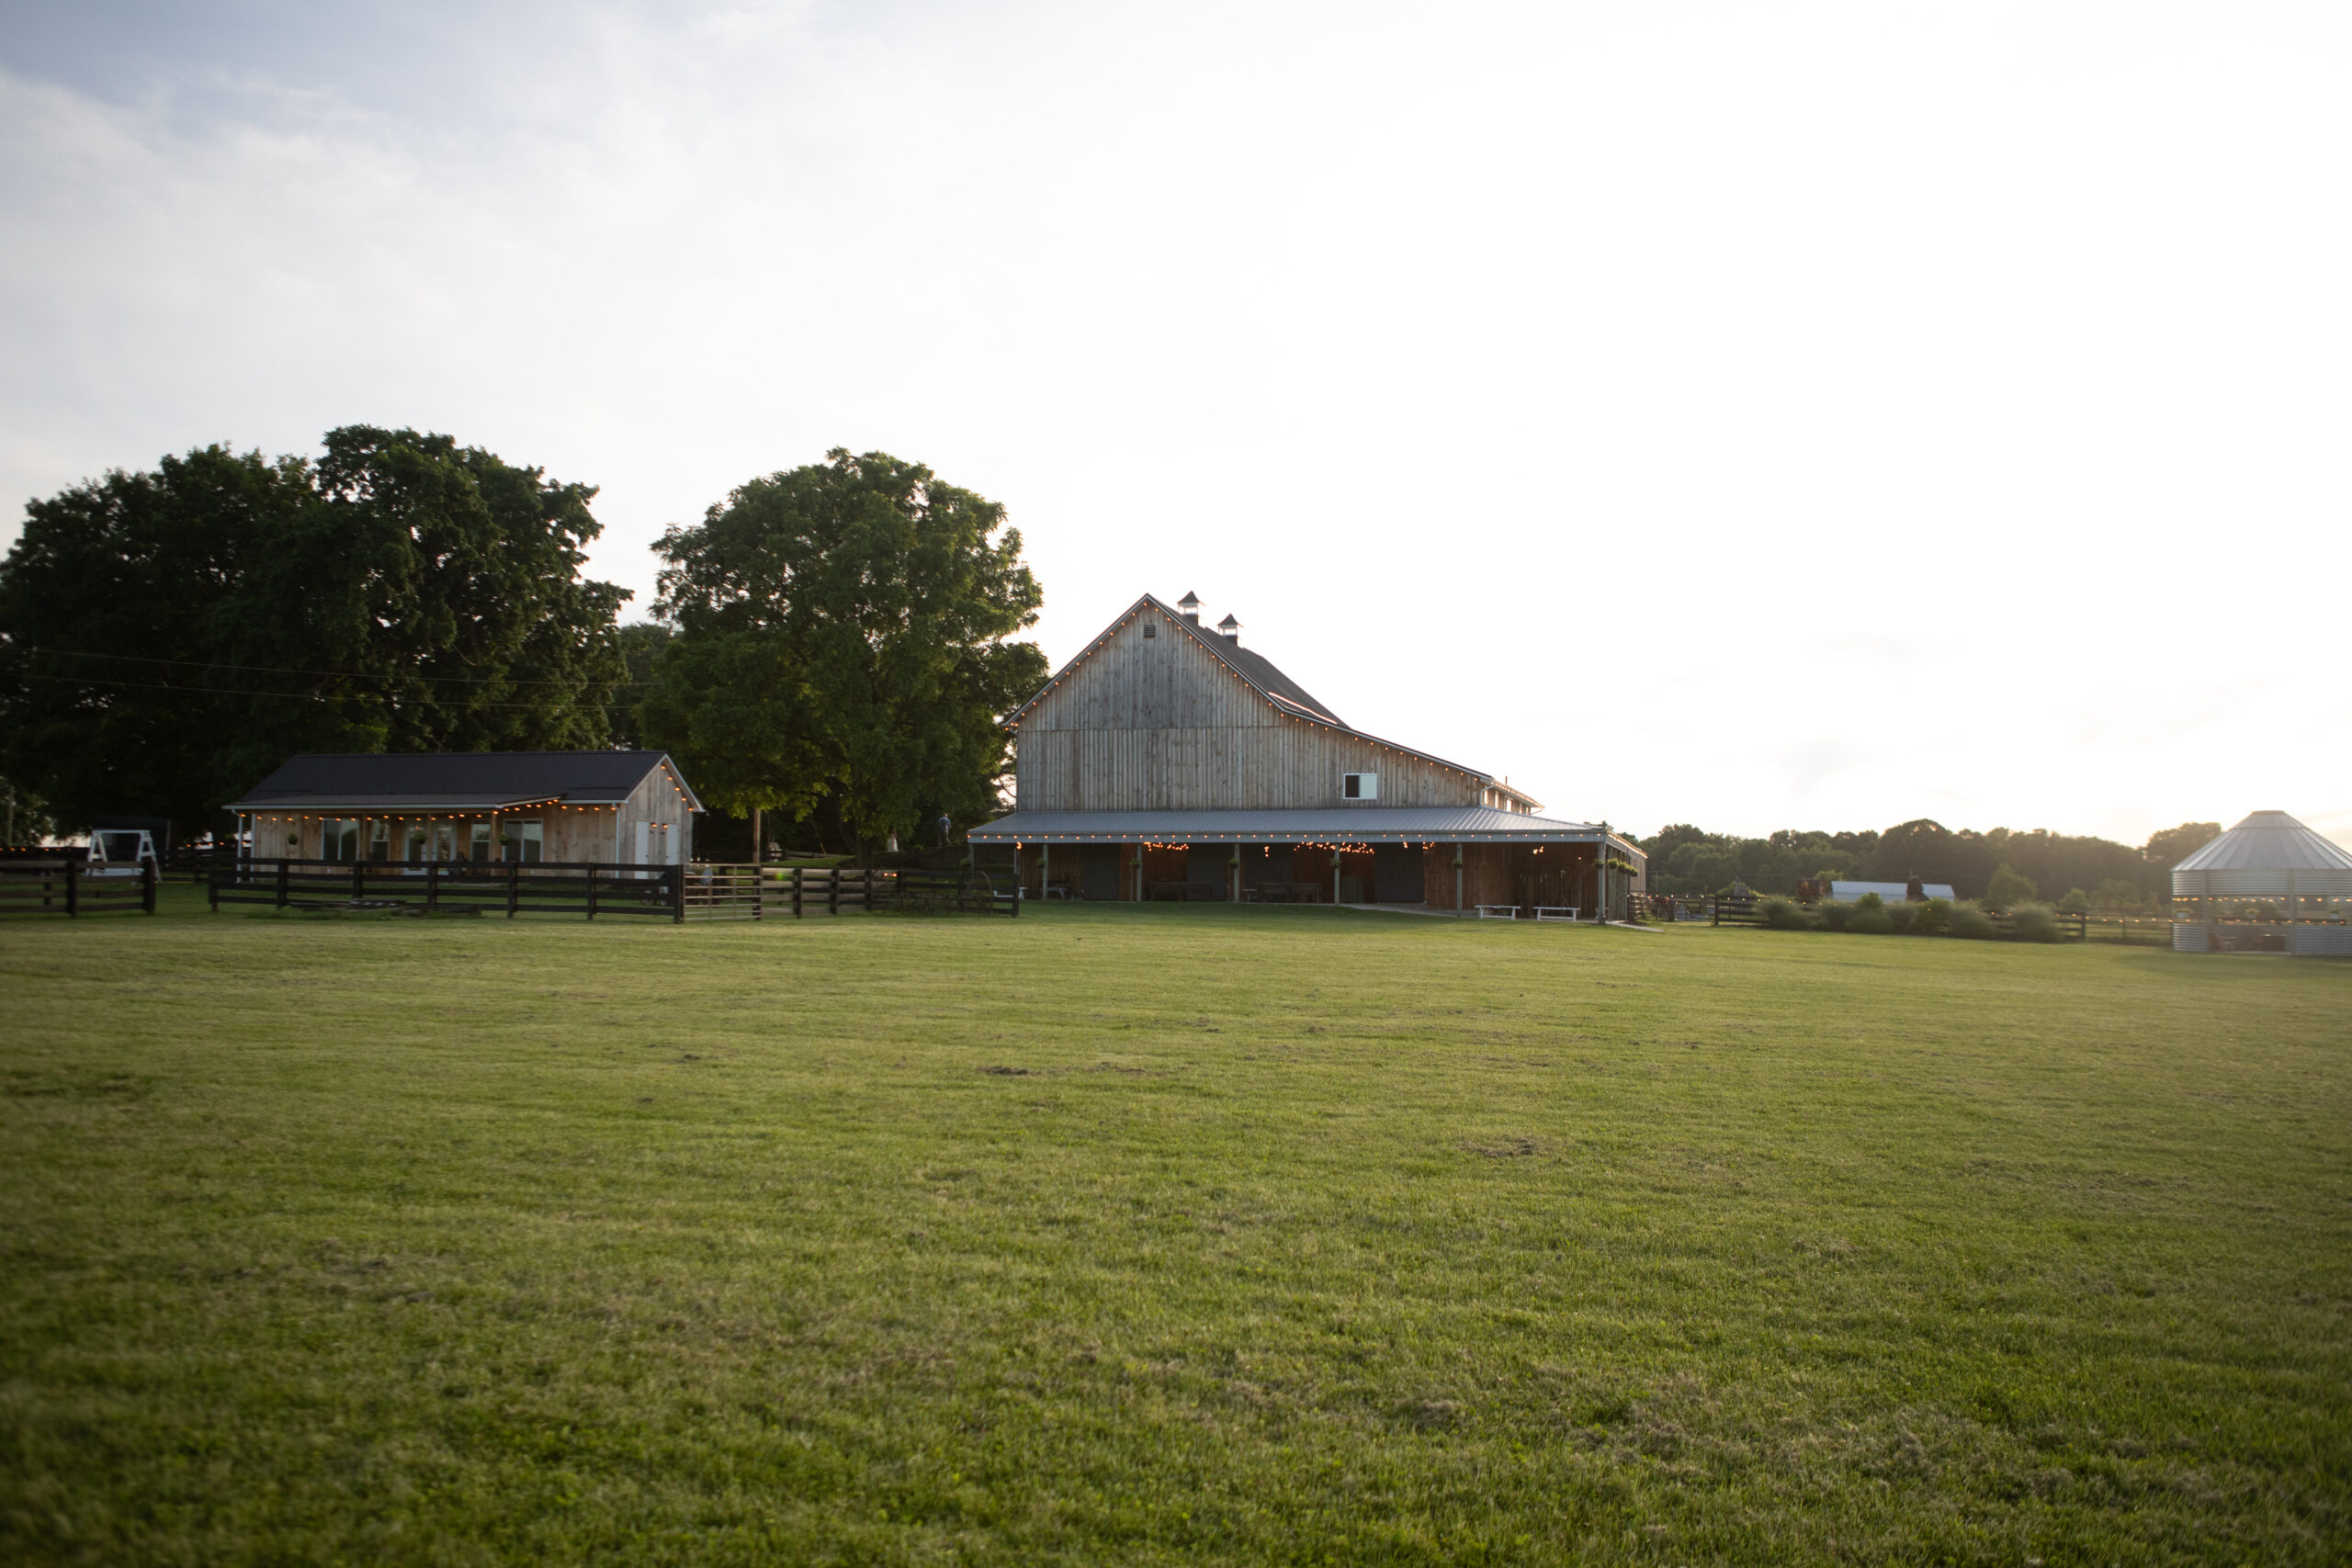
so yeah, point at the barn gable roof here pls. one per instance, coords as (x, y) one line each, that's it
(456, 781)
(1255, 670)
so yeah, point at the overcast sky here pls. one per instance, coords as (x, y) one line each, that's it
(1757, 415)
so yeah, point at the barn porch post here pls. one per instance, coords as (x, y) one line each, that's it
(1457, 881)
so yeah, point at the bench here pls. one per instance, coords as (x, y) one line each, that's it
(1556, 911)
(1497, 911)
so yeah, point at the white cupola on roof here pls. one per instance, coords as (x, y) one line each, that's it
(1231, 628)
(1190, 605)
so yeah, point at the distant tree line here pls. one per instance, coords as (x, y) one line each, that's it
(2003, 865)
(828, 646)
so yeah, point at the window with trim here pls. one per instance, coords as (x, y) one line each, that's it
(519, 841)
(478, 847)
(1360, 786)
(380, 840)
(339, 840)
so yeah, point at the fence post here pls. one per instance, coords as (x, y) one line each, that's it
(73, 892)
(677, 895)
(514, 886)
(759, 890)
(281, 882)
(833, 892)
(358, 880)
(147, 885)
(432, 883)
(592, 890)
(796, 891)
(212, 885)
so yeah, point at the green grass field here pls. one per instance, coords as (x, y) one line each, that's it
(1115, 1234)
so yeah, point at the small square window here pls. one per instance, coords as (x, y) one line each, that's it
(1360, 786)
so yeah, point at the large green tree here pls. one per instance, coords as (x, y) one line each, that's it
(167, 637)
(841, 653)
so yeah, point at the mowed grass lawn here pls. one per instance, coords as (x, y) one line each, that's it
(1118, 1234)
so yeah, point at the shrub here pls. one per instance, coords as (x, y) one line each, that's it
(1870, 922)
(2010, 887)
(2115, 894)
(1932, 918)
(1834, 915)
(2075, 902)
(1782, 915)
(1900, 916)
(1972, 924)
(2033, 923)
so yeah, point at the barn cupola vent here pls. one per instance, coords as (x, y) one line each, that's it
(1232, 630)
(1190, 605)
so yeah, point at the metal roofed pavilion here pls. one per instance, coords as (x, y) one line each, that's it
(2269, 854)
(1384, 825)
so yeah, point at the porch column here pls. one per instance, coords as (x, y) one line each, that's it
(1233, 866)
(1138, 870)
(1457, 881)
(1044, 871)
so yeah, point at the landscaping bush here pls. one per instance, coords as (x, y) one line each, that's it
(1870, 901)
(2033, 923)
(1900, 916)
(1975, 924)
(2075, 902)
(1866, 921)
(1785, 915)
(1834, 915)
(1932, 918)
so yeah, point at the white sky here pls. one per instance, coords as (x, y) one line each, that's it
(1759, 415)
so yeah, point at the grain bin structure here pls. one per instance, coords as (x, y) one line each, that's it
(2269, 885)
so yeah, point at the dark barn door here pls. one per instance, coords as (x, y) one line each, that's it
(1396, 874)
(1098, 872)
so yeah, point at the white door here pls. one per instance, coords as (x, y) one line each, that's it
(644, 843)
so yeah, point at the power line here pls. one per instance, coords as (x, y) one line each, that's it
(246, 691)
(285, 670)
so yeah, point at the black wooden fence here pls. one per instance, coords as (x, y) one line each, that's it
(968, 891)
(681, 893)
(70, 888)
(512, 888)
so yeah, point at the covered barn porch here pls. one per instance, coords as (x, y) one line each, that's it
(1462, 861)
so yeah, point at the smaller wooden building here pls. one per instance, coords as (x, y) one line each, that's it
(608, 807)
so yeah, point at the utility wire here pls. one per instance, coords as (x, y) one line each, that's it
(285, 669)
(246, 691)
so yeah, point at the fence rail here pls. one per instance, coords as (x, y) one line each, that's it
(702, 891)
(971, 891)
(70, 888)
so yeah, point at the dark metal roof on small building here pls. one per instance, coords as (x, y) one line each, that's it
(456, 781)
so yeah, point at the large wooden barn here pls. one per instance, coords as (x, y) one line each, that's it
(1168, 760)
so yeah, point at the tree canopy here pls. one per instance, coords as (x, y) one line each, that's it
(840, 655)
(167, 638)
(1686, 859)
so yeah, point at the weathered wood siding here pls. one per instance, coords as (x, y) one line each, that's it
(1162, 723)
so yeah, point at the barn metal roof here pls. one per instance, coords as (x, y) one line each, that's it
(1892, 892)
(1359, 824)
(456, 781)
